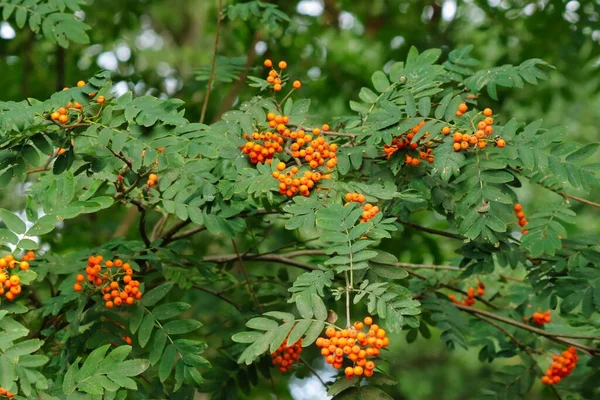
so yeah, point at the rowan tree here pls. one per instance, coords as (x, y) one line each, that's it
(294, 224)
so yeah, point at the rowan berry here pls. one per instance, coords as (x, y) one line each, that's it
(100, 99)
(297, 84)
(487, 112)
(446, 130)
(277, 87)
(463, 107)
(63, 119)
(501, 143)
(81, 84)
(282, 65)
(268, 63)
(561, 367)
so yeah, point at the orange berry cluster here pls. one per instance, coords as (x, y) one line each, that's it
(462, 108)
(355, 197)
(290, 185)
(29, 256)
(404, 140)
(272, 142)
(10, 285)
(369, 209)
(561, 367)
(355, 345)
(285, 356)
(152, 180)
(314, 150)
(109, 282)
(276, 79)
(463, 141)
(470, 300)
(6, 393)
(62, 115)
(521, 216)
(541, 318)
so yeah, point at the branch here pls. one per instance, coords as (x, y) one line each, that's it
(551, 336)
(142, 228)
(169, 236)
(158, 227)
(126, 223)
(312, 370)
(581, 200)
(510, 335)
(166, 238)
(248, 283)
(283, 259)
(219, 295)
(211, 77)
(444, 285)
(431, 230)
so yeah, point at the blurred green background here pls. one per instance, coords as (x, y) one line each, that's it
(164, 48)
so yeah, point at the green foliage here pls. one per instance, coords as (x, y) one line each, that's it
(211, 237)
(55, 18)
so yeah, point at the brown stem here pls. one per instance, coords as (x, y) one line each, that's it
(431, 230)
(247, 277)
(551, 336)
(218, 295)
(126, 223)
(211, 77)
(581, 200)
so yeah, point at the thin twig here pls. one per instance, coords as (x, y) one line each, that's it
(552, 336)
(431, 230)
(158, 227)
(245, 271)
(211, 77)
(219, 295)
(581, 200)
(311, 369)
(348, 289)
(510, 335)
(445, 285)
(142, 228)
(283, 259)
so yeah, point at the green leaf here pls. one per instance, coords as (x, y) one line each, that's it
(145, 330)
(380, 81)
(131, 367)
(23, 348)
(167, 362)
(583, 153)
(262, 324)
(158, 344)
(169, 310)
(298, 331)
(90, 365)
(280, 334)
(155, 295)
(411, 107)
(180, 327)
(13, 222)
(246, 337)
(70, 381)
(424, 106)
